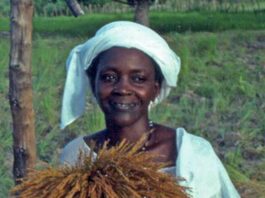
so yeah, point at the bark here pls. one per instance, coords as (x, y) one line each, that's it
(141, 12)
(74, 7)
(20, 87)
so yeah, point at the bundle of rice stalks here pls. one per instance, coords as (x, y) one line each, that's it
(117, 172)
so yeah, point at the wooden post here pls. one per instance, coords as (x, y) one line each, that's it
(75, 8)
(142, 12)
(20, 87)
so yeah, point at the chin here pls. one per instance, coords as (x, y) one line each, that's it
(122, 120)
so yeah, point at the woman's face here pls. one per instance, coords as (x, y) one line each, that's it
(124, 85)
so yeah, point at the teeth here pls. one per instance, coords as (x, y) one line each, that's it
(124, 106)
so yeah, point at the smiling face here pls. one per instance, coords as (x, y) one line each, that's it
(124, 85)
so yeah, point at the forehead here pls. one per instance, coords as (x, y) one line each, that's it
(120, 58)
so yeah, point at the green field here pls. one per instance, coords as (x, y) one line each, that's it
(162, 22)
(220, 94)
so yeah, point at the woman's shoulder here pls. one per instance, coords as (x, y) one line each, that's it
(71, 150)
(194, 142)
(183, 136)
(74, 144)
(200, 166)
(164, 132)
(96, 139)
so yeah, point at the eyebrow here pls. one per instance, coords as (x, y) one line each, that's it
(104, 69)
(110, 68)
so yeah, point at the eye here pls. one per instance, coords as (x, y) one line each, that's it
(109, 77)
(138, 78)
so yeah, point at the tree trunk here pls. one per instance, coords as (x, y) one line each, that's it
(75, 8)
(20, 87)
(141, 12)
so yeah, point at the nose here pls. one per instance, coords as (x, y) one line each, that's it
(123, 87)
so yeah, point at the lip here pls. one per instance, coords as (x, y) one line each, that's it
(124, 106)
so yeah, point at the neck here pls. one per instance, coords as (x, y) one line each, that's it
(131, 133)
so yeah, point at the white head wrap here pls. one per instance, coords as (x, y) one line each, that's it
(120, 34)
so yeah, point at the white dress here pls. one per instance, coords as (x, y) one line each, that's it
(196, 162)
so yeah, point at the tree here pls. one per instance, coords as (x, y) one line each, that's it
(141, 10)
(20, 87)
(140, 14)
(74, 7)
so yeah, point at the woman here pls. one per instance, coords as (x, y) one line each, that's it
(129, 68)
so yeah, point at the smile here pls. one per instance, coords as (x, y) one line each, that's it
(123, 106)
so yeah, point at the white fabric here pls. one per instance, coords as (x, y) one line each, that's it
(120, 34)
(196, 162)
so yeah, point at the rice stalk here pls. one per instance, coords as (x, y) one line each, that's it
(118, 172)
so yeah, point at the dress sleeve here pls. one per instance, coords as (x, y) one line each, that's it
(227, 188)
(202, 170)
(71, 151)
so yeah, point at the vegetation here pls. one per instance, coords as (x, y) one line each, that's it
(99, 177)
(219, 95)
(58, 7)
(180, 22)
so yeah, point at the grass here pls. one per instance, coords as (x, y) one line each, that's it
(5, 119)
(219, 96)
(180, 22)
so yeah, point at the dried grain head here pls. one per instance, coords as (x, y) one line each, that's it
(117, 172)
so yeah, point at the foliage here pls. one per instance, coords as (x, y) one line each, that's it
(94, 2)
(50, 8)
(6, 180)
(59, 8)
(109, 175)
(4, 7)
(135, 2)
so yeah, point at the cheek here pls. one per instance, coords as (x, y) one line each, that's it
(99, 93)
(98, 88)
(102, 92)
(148, 95)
